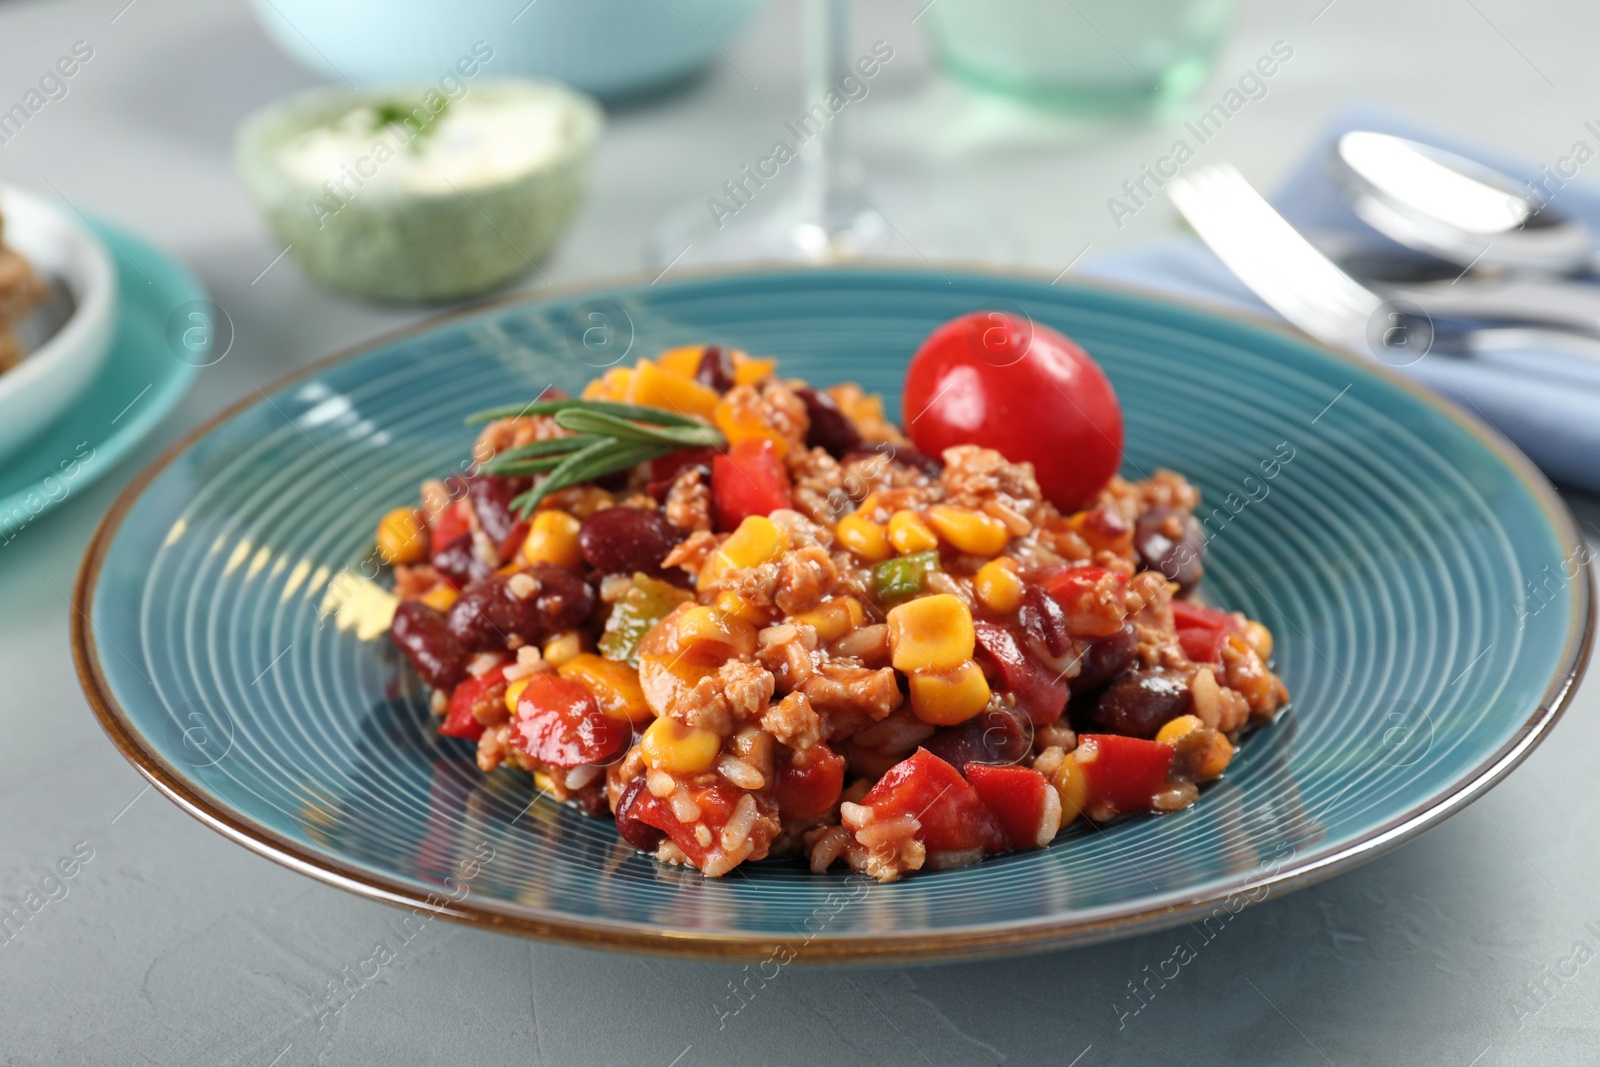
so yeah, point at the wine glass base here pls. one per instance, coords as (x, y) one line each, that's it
(786, 230)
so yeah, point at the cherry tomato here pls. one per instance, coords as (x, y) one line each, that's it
(750, 480)
(1005, 383)
(560, 724)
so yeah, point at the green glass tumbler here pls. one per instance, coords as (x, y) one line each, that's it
(1082, 55)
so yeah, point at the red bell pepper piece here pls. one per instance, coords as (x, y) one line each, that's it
(1202, 631)
(560, 724)
(927, 788)
(716, 803)
(1093, 599)
(1022, 799)
(459, 720)
(750, 480)
(448, 525)
(812, 790)
(1124, 773)
(1186, 614)
(1202, 645)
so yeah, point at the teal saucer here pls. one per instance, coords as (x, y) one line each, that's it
(142, 378)
(1428, 591)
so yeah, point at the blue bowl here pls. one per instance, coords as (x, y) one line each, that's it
(611, 48)
(1422, 579)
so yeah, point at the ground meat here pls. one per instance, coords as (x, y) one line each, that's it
(793, 722)
(691, 552)
(982, 479)
(879, 473)
(688, 504)
(411, 582)
(502, 434)
(804, 575)
(850, 697)
(819, 492)
(787, 650)
(783, 410)
(747, 686)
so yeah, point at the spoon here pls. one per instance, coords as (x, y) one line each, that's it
(1457, 209)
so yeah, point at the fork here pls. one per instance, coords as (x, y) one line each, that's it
(1315, 294)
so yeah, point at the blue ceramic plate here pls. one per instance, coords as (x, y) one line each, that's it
(1416, 571)
(139, 383)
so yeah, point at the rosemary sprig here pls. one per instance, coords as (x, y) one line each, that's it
(636, 412)
(605, 438)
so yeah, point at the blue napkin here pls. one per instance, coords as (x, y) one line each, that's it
(1547, 403)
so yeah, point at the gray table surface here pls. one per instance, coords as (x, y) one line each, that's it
(1468, 947)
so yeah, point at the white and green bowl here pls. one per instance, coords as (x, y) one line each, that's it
(416, 247)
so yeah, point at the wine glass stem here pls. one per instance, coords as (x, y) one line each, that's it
(827, 33)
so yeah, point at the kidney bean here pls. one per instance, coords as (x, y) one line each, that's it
(458, 564)
(831, 429)
(641, 835)
(564, 600)
(1042, 619)
(1040, 693)
(1178, 559)
(1106, 657)
(999, 737)
(491, 497)
(715, 369)
(425, 640)
(488, 613)
(624, 540)
(1139, 703)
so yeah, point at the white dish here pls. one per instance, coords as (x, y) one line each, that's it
(58, 367)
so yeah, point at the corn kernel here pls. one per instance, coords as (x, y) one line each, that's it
(514, 689)
(670, 746)
(1218, 756)
(998, 587)
(682, 361)
(656, 388)
(758, 540)
(731, 603)
(930, 633)
(971, 532)
(739, 423)
(440, 597)
(1180, 727)
(908, 533)
(1072, 786)
(615, 685)
(747, 370)
(400, 538)
(563, 647)
(835, 618)
(544, 782)
(1259, 638)
(701, 625)
(553, 538)
(867, 539)
(945, 698)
